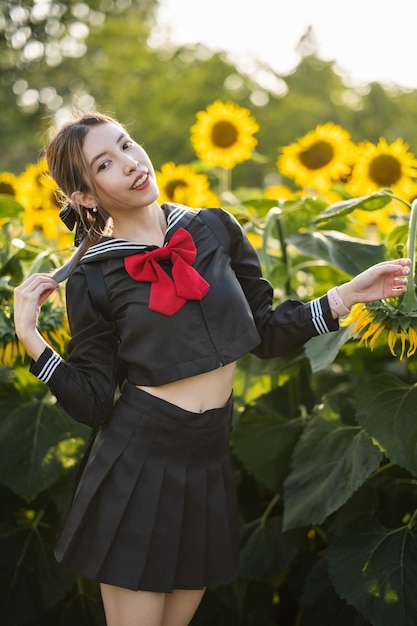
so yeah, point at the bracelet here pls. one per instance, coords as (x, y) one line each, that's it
(336, 302)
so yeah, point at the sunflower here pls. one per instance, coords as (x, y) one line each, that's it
(36, 189)
(323, 156)
(57, 337)
(8, 184)
(53, 325)
(396, 316)
(223, 134)
(370, 320)
(375, 225)
(11, 352)
(45, 222)
(279, 192)
(178, 183)
(384, 166)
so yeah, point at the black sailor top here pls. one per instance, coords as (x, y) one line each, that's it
(234, 317)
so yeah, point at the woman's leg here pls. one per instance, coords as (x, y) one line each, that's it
(124, 607)
(180, 606)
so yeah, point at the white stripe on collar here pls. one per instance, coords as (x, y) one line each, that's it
(176, 215)
(112, 245)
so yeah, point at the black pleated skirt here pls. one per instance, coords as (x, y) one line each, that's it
(155, 506)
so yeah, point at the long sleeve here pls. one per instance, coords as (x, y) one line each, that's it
(85, 384)
(292, 323)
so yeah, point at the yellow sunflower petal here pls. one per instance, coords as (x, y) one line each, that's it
(392, 340)
(377, 333)
(412, 338)
(372, 333)
(359, 317)
(8, 353)
(279, 192)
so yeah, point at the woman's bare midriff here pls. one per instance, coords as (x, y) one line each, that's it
(199, 393)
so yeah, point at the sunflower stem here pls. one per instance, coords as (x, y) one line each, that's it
(275, 218)
(269, 508)
(225, 180)
(410, 300)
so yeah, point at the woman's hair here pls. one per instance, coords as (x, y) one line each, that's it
(67, 166)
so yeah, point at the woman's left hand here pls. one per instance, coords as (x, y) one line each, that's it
(383, 280)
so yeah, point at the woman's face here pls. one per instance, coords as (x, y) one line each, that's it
(123, 175)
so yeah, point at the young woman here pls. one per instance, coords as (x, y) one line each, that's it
(153, 518)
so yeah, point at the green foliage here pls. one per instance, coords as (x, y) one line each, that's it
(367, 203)
(40, 447)
(46, 444)
(323, 448)
(325, 464)
(349, 255)
(386, 409)
(313, 491)
(379, 570)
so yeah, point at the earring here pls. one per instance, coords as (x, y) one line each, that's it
(94, 209)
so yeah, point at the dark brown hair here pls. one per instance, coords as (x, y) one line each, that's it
(67, 166)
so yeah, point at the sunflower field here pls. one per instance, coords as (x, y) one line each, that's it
(324, 442)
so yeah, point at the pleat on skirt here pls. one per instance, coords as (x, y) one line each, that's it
(155, 506)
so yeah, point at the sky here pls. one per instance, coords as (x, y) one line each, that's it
(369, 40)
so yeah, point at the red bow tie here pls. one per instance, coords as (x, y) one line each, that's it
(168, 295)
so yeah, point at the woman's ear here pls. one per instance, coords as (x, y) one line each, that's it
(83, 198)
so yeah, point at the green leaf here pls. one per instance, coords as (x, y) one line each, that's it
(386, 408)
(268, 552)
(322, 350)
(39, 443)
(373, 202)
(263, 440)
(348, 254)
(81, 608)
(9, 207)
(375, 569)
(331, 461)
(30, 578)
(321, 606)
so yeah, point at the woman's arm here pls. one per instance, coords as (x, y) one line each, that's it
(85, 384)
(383, 280)
(28, 299)
(292, 323)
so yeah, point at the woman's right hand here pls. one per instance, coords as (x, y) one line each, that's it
(28, 299)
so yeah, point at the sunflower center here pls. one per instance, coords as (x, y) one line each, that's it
(173, 185)
(317, 155)
(7, 189)
(224, 134)
(385, 170)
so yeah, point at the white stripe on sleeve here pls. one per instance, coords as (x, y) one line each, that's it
(49, 367)
(317, 317)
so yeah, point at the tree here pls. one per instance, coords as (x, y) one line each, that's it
(38, 38)
(88, 57)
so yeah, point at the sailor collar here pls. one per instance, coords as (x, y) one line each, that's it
(177, 216)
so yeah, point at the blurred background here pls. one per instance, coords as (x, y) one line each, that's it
(155, 64)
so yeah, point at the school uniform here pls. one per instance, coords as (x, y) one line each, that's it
(155, 508)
